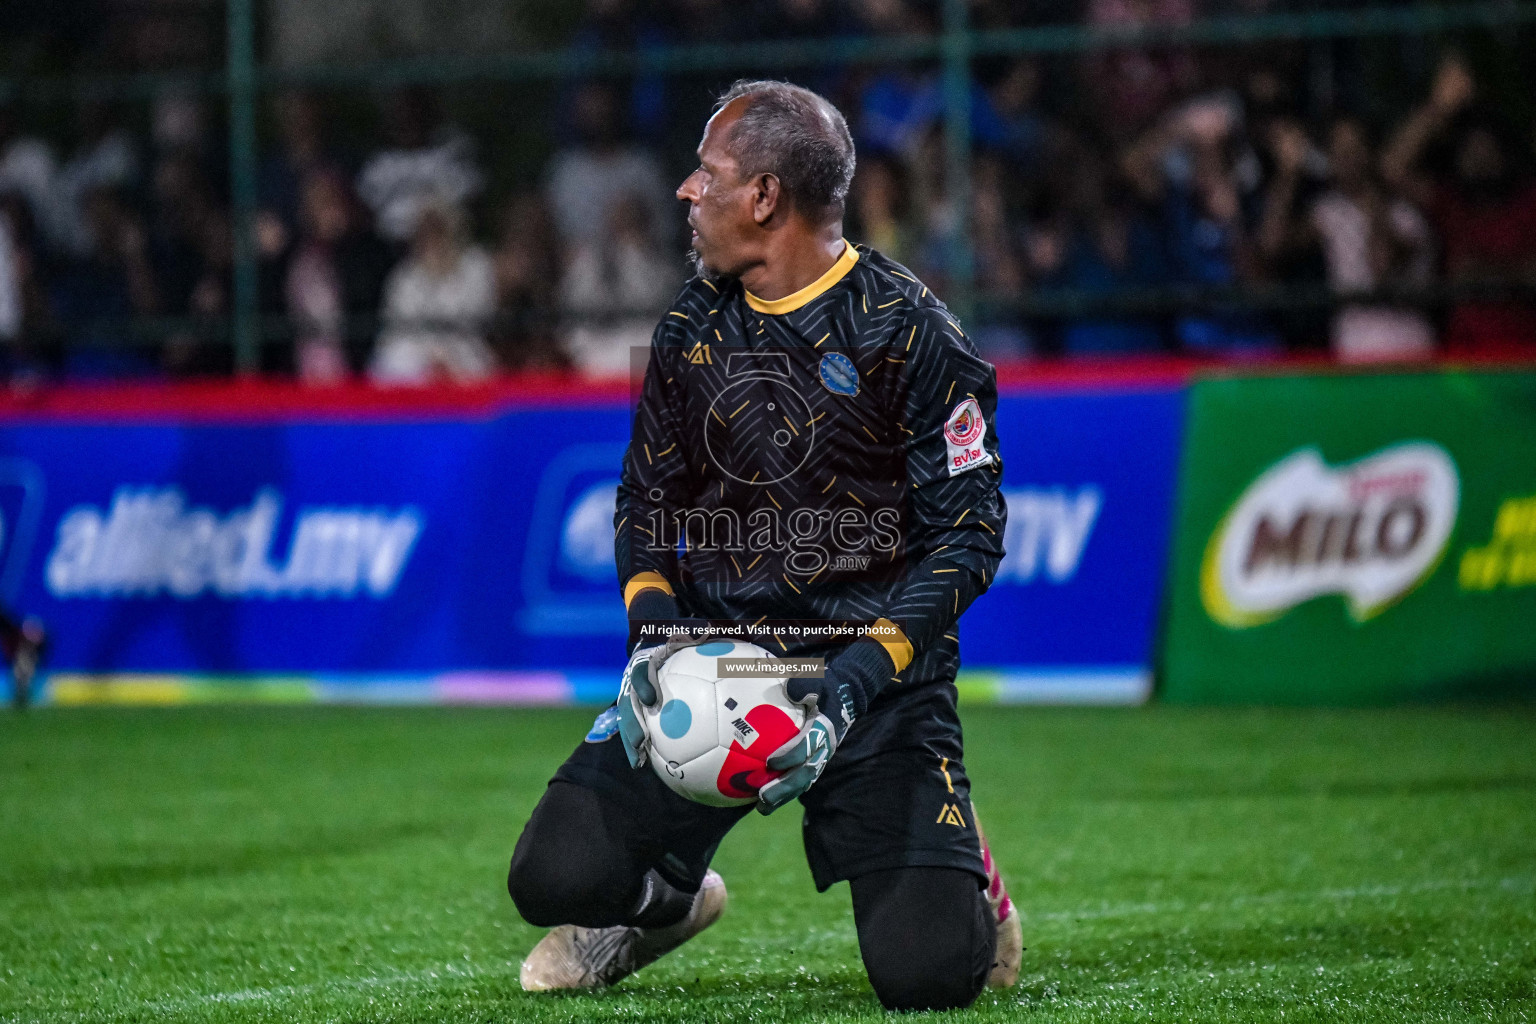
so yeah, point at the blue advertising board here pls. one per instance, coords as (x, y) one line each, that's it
(471, 558)
(1072, 615)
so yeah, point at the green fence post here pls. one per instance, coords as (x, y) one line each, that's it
(957, 145)
(242, 175)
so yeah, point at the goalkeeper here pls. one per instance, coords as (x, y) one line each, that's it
(814, 442)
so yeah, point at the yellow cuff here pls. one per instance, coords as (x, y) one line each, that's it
(889, 635)
(645, 581)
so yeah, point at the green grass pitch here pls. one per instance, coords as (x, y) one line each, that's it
(294, 865)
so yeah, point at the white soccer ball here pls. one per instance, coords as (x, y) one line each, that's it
(710, 736)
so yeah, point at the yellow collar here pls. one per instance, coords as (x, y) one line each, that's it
(790, 303)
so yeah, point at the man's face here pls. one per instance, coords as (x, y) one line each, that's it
(720, 203)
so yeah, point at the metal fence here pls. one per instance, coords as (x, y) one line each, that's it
(245, 79)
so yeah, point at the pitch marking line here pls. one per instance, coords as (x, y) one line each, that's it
(343, 984)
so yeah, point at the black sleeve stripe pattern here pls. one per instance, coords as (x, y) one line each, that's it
(956, 517)
(654, 477)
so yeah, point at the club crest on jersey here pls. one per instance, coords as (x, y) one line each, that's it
(965, 434)
(839, 375)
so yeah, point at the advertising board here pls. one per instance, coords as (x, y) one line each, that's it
(1355, 538)
(470, 557)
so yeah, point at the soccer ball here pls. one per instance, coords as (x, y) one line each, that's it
(710, 736)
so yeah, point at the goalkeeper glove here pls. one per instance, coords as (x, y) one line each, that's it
(832, 703)
(653, 617)
(638, 689)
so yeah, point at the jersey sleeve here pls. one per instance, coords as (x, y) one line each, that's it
(653, 481)
(956, 512)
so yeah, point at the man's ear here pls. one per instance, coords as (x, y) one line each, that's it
(765, 197)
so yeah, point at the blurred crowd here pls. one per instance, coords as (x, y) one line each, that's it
(1120, 202)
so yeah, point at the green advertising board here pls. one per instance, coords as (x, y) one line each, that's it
(1355, 538)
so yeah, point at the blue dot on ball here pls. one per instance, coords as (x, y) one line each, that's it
(675, 719)
(715, 648)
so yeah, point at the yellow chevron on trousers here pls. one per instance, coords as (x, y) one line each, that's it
(950, 815)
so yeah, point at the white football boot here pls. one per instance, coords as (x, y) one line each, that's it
(574, 957)
(1010, 930)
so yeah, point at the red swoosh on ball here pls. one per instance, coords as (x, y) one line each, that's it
(743, 772)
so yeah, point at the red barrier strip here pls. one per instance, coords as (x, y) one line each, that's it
(262, 400)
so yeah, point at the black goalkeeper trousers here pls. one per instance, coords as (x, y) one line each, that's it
(926, 934)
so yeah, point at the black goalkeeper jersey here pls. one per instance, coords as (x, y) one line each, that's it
(827, 458)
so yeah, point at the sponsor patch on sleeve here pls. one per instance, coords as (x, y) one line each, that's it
(965, 435)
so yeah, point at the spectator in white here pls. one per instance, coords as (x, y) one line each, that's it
(588, 182)
(1370, 240)
(437, 303)
(27, 168)
(105, 159)
(10, 284)
(24, 316)
(426, 161)
(613, 292)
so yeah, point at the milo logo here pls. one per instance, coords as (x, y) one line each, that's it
(1370, 531)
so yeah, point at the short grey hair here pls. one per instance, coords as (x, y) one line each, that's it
(798, 137)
